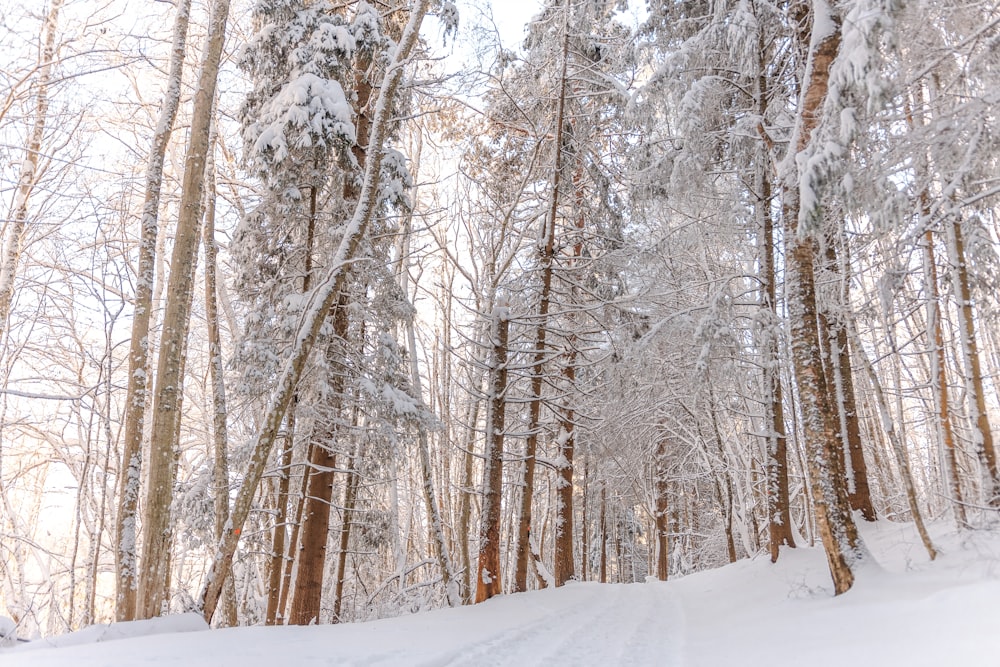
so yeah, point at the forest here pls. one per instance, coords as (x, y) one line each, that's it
(324, 311)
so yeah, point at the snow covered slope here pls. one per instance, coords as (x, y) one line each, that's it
(905, 611)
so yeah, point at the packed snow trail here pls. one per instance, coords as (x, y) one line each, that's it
(578, 624)
(903, 612)
(604, 625)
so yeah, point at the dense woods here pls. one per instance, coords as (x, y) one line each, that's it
(318, 311)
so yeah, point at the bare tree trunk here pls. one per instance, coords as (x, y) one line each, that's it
(564, 566)
(725, 500)
(14, 228)
(135, 398)
(465, 501)
(523, 549)
(662, 514)
(488, 581)
(898, 447)
(350, 502)
(315, 525)
(779, 522)
(220, 439)
(280, 524)
(427, 481)
(981, 434)
(168, 392)
(858, 492)
(321, 301)
(291, 549)
(939, 371)
(604, 534)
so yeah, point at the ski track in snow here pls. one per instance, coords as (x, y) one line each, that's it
(636, 625)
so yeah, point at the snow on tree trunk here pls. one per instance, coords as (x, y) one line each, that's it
(547, 251)
(488, 580)
(15, 228)
(169, 388)
(834, 522)
(982, 435)
(136, 392)
(216, 370)
(307, 594)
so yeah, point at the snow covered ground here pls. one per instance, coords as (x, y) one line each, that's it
(905, 611)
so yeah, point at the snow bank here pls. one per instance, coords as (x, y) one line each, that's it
(8, 632)
(107, 632)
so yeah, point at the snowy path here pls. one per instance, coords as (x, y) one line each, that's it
(612, 625)
(580, 624)
(905, 613)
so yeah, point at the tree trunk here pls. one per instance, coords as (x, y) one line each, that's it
(315, 526)
(662, 514)
(565, 568)
(488, 581)
(280, 525)
(898, 448)
(858, 492)
(603, 571)
(350, 502)
(465, 500)
(832, 509)
(14, 229)
(523, 549)
(939, 373)
(427, 484)
(135, 397)
(982, 436)
(779, 522)
(168, 392)
(220, 435)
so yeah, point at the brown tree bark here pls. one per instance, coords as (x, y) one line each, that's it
(277, 561)
(488, 581)
(564, 564)
(220, 412)
(841, 371)
(350, 502)
(779, 523)
(982, 433)
(315, 528)
(662, 513)
(939, 366)
(819, 415)
(523, 548)
(136, 392)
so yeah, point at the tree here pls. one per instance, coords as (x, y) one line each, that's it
(488, 577)
(14, 226)
(168, 390)
(135, 401)
(802, 222)
(319, 304)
